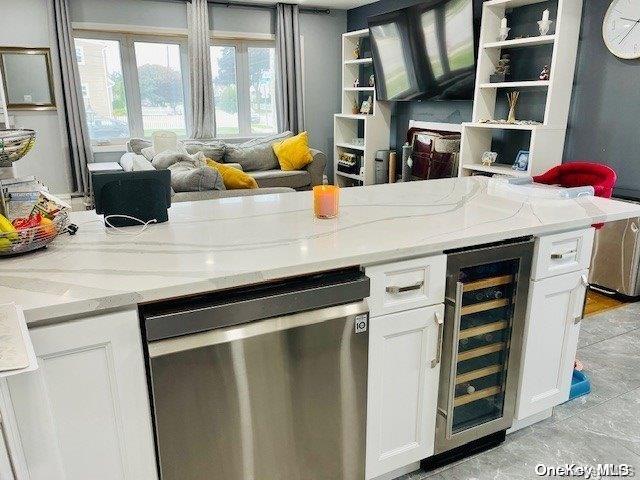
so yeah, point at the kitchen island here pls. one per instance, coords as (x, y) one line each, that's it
(85, 413)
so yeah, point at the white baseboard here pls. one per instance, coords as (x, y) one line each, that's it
(399, 472)
(526, 422)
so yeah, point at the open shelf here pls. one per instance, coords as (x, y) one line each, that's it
(522, 42)
(524, 84)
(503, 126)
(350, 145)
(353, 116)
(511, 3)
(496, 169)
(359, 89)
(352, 176)
(358, 61)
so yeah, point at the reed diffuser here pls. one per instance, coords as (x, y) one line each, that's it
(512, 97)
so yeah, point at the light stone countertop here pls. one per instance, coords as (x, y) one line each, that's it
(216, 244)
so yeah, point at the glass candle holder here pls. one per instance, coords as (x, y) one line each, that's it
(325, 201)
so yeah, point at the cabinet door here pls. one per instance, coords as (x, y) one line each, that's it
(404, 370)
(550, 343)
(84, 414)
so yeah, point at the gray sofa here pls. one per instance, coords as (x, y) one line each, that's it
(255, 157)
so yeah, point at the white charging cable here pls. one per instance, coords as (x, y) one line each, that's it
(113, 230)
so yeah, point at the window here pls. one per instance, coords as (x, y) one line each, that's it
(103, 90)
(160, 85)
(134, 85)
(243, 75)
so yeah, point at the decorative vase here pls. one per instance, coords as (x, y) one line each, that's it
(512, 97)
(544, 26)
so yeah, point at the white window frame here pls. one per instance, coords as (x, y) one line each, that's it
(130, 76)
(242, 82)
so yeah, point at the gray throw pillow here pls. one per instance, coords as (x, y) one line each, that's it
(256, 154)
(187, 178)
(136, 145)
(164, 160)
(213, 150)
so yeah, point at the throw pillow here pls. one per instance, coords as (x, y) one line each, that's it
(136, 145)
(255, 154)
(233, 178)
(164, 160)
(294, 153)
(186, 178)
(214, 149)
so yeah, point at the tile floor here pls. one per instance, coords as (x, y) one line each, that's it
(603, 427)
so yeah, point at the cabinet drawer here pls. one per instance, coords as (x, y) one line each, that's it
(405, 285)
(562, 253)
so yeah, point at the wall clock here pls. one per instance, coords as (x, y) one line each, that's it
(621, 28)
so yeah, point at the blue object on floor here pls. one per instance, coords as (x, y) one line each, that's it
(580, 385)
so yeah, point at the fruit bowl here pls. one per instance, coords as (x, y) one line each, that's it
(33, 238)
(15, 144)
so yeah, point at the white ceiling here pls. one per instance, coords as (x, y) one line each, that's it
(337, 4)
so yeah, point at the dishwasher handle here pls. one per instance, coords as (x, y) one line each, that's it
(358, 311)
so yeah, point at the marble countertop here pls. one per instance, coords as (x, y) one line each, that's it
(216, 244)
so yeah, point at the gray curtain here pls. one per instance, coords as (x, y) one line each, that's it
(290, 99)
(71, 109)
(202, 110)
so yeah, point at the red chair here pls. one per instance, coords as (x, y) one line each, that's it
(581, 174)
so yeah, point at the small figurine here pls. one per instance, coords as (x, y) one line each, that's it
(372, 80)
(356, 52)
(504, 29)
(545, 24)
(502, 70)
(356, 83)
(544, 74)
(355, 108)
(488, 158)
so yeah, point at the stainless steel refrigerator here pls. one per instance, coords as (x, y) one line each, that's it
(616, 257)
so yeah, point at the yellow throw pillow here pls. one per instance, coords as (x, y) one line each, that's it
(293, 153)
(232, 177)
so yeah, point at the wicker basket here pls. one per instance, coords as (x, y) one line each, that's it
(30, 239)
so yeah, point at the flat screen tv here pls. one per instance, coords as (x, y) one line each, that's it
(426, 51)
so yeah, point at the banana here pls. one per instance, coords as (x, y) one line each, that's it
(9, 230)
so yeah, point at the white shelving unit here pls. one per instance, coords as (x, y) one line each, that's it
(547, 139)
(347, 126)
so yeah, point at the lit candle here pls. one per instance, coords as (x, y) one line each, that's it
(545, 16)
(325, 201)
(503, 23)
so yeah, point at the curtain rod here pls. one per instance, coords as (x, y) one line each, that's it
(323, 11)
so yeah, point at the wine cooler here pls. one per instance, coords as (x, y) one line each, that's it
(485, 307)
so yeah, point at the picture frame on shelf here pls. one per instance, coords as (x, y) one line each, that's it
(521, 162)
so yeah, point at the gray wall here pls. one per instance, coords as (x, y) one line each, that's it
(605, 106)
(25, 24)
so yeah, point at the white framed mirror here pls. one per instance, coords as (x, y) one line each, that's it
(27, 78)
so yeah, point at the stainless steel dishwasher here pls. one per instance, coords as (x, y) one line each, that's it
(263, 383)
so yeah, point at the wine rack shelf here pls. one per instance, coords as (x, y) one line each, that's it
(472, 397)
(484, 306)
(482, 329)
(480, 351)
(480, 373)
(487, 283)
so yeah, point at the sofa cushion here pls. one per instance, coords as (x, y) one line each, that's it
(256, 154)
(166, 159)
(186, 178)
(278, 178)
(293, 153)
(212, 149)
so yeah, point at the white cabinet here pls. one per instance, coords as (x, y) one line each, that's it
(84, 414)
(550, 343)
(404, 371)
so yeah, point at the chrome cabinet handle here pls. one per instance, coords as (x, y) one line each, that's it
(440, 323)
(395, 289)
(560, 256)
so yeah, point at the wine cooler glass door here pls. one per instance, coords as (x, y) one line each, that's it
(485, 316)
